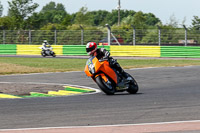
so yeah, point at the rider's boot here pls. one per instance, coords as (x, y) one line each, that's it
(116, 65)
(125, 75)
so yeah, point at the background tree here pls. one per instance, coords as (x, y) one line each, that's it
(139, 20)
(112, 18)
(34, 21)
(98, 17)
(67, 20)
(195, 29)
(151, 19)
(52, 13)
(173, 21)
(83, 18)
(1, 9)
(21, 10)
(196, 23)
(7, 23)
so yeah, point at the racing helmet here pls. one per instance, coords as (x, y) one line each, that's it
(91, 47)
(45, 41)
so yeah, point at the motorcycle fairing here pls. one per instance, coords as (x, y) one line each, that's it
(100, 66)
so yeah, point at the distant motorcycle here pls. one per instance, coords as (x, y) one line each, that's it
(108, 79)
(47, 51)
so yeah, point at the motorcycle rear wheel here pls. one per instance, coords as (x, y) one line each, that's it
(133, 86)
(107, 88)
(54, 55)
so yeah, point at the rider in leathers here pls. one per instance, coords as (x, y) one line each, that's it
(100, 53)
(46, 45)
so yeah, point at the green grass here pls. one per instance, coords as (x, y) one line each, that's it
(47, 64)
(156, 63)
(13, 65)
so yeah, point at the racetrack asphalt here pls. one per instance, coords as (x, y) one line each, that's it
(166, 94)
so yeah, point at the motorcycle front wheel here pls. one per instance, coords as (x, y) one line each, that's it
(106, 87)
(133, 86)
(43, 54)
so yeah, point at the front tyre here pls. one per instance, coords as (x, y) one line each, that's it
(106, 87)
(133, 86)
(43, 54)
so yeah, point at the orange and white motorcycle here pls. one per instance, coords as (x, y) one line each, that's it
(108, 79)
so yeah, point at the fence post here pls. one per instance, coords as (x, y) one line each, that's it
(55, 36)
(133, 35)
(109, 32)
(185, 34)
(159, 35)
(4, 37)
(82, 35)
(29, 36)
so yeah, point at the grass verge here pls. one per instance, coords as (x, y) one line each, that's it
(13, 65)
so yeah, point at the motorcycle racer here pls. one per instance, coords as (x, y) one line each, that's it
(47, 50)
(92, 50)
(46, 45)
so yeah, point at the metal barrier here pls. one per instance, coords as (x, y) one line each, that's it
(180, 51)
(57, 37)
(8, 49)
(159, 37)
(144, 51)
(137, 51)
(35, 49)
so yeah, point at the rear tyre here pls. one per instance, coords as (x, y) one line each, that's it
(106, 87)
(133, 86)
(54, 55)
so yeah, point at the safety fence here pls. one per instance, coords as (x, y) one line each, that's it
(55, 37)
(136, 51)
(130, 36)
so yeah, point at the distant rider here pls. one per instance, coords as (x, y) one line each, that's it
(92, 50)
(46, 45)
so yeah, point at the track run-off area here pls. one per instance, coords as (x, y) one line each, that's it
(168, 101)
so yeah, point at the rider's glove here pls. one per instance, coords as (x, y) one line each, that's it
(107, 54)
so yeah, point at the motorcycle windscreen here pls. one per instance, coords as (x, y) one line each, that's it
(92, 60)
(87, 71)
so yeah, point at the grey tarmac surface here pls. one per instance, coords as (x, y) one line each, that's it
(165, 95)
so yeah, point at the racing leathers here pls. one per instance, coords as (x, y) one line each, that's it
(103, 53)
(46, 46)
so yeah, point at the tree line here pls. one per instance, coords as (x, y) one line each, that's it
(22, 15)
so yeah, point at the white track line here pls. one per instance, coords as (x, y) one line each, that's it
(118, 125)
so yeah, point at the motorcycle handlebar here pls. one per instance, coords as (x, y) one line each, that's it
(103, 59)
